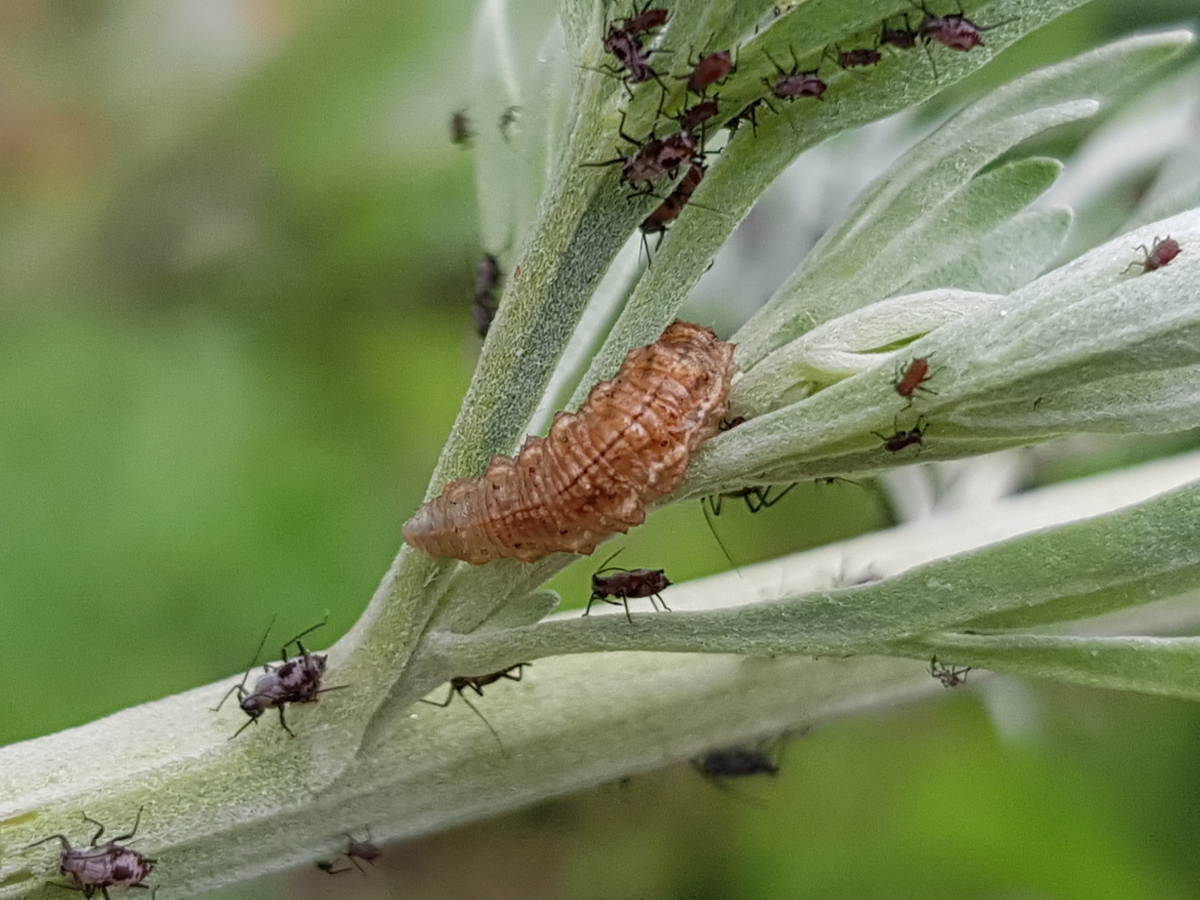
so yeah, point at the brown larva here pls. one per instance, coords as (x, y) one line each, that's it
(594, 473)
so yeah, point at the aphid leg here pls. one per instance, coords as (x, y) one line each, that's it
(282, 721)
(124, 837)
(296, 639)
(443, 704)
(483, 719)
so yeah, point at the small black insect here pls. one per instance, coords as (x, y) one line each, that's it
(735, 762)
(97, 867)
(627, 584)
(366, 850)
(460, 129)
(295, 680)
(748, 114)
(507, 118)
(487, 279)
(949, 676)
(477, 683)
(901, 439)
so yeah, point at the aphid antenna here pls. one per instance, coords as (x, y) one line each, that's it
(241, 686)
(483, 719)
(304, 633)
(604, 567)
(712, 527)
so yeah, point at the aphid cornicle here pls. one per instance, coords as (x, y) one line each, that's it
(97, 867)
(627, 584)
(295, 680)
(595, 472)
(1159, 254)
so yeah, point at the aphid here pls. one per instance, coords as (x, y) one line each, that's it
(460, 128)
(730, 424)
(901, 439)
(477, 683)
(902, 38)
(1158, 255)
(856, 58)
(366, 850)
(645, 20)
(735, 762)
(487, 279)
(949, 676)
(697, 115)
(711, 69)
(654, 158)
(748, 114)
(757, 498)
(295, 680)
(955, 31)
(97, 867)
(631, 56)
(913, 378)
(626, 585)
(594, 473)
(506, 120)
(792, 84)
(669, 210)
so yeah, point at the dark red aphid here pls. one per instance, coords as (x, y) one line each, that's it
(1158, 255)
(97, 867)
(295, 680)
(913, 378)
(902, 38)
(949, 676)
(669, 210)
(460, 128)
(858, 57)
(955, 31)
(712, 68)
(627, 584)
(655, 158)
(695, 116)
(366, 850)
(735, 762)
(477, 683)
(644, 20)
(901, 439)
(792, 84)
(487, 280)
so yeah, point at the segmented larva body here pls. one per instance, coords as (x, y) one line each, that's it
(596, 470)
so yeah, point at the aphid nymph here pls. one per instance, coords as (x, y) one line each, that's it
(477, 683)
(627, 584)
(901, 439)
(1159, 254)
(295, 680)
(949, 676)
(97, 867)
(366, 850)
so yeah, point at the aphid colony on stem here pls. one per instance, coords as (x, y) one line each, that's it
(98, 867)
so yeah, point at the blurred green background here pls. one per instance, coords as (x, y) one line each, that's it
(236, 258)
